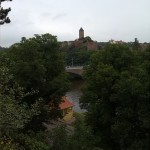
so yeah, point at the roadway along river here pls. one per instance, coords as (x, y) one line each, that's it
(75, 93)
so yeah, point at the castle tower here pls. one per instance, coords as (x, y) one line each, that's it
(81, 33)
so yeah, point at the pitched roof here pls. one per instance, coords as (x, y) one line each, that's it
(65, 103)
(81, 29)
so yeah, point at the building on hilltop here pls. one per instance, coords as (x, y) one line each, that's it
(86, 43)
(116, 42)
(81, 33)
(92, 45)
(82, 42)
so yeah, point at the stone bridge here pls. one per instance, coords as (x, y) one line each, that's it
(78, 70)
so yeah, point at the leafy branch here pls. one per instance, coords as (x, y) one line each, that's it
(4, 13)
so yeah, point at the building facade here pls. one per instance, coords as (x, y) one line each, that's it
(66, 108)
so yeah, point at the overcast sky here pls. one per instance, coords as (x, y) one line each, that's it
(102, 20)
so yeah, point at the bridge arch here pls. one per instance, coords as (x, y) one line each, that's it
(78, 70)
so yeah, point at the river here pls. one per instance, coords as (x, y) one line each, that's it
(75, 93)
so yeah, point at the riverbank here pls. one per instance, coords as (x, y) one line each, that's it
(75, 93)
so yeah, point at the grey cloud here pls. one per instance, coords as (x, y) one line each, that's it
(46, 14)
(102, 20)
(30, 23)
(59, 16)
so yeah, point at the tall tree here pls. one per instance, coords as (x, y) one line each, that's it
(38, 67)
(13, 115)
(117, 97)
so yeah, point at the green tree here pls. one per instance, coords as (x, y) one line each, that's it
(77, 136)
(87, 39)
(116, 95)
(4, 13)
(82, 138)
(77, 56)
(59, 138)
(13, 115)
(24, 104)
(38, 66)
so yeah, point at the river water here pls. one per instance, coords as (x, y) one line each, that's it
(75, 93)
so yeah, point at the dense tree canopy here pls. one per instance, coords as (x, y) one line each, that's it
(76, 56)
(117, 97)
(33, 80)
(13, 115)
(80, 138)
(38, 65)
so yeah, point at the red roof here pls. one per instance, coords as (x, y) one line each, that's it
(65, 103)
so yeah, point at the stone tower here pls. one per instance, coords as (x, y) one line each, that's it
(81, 33)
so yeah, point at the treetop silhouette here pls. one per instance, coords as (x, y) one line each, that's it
(4, 13)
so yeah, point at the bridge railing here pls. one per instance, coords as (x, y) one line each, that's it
(67, 67)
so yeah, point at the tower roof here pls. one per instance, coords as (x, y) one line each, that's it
(81, 29)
